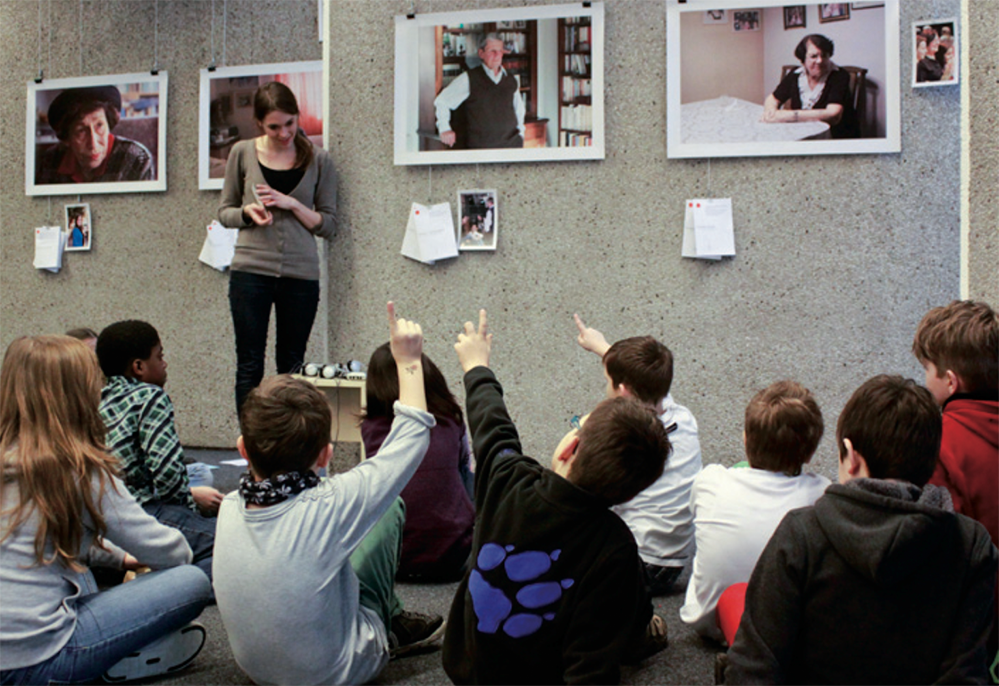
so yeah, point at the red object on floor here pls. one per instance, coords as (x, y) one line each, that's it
(729, 610)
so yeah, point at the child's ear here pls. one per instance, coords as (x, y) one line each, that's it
(954, 382)
(324, 457)
(623, 391)
(241, 448)
(853, 463)
(137, 368)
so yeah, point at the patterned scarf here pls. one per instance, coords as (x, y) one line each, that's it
(276, 489)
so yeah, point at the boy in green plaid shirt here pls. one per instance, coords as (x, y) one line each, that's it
(142, 435)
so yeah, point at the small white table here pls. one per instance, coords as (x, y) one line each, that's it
(733, 120)
(347, 399)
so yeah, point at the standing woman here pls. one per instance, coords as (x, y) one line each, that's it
(280, 192)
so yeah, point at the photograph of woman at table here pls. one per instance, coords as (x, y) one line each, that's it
(816, 91)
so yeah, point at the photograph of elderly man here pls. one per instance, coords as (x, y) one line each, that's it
(83, 120)
(490, 104)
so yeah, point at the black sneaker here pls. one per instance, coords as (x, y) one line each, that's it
(413, 631)
(653, 641)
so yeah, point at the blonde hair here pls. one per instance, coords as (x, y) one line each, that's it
(52, 443)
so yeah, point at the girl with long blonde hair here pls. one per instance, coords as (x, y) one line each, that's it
(62, 507)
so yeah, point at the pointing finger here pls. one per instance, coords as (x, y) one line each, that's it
(483, 329)
(391, 316)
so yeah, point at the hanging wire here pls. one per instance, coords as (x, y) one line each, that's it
(211, 63)
(709, 179)
(225, 13)
(156, 38)
(38, 79)
(48, 63)
(430, 183)
(81, 32)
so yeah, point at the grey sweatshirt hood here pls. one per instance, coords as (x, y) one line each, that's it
(885, 529)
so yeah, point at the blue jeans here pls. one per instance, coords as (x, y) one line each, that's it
(198, 530)
(251, 296)
(119, 621)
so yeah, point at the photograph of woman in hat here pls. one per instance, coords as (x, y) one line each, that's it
(88, 151)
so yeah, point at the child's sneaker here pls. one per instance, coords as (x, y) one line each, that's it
(167, 654)
(413, 631)
(653, 641)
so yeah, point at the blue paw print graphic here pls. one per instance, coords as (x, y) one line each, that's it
(491, 605)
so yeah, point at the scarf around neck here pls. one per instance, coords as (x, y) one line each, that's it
(277, 488)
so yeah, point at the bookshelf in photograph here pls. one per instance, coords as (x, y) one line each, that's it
(457, 51)
(575, 121)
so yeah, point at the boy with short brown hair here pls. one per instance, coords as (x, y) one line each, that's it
(556, 592)
(304, 566)
(958, 346)
(737, 509)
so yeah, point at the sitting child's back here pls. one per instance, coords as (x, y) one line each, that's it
(737, 509)
(556, 591)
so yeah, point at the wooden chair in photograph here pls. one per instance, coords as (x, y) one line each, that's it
(858, 91)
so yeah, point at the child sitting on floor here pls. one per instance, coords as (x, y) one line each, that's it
(138, 414)
(736, 510)
(659, 517)
(304, 566)
(557, 591)
(880, 581)
(439, 511)
(61, 505)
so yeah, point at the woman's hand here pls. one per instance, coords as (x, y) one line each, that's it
(258, 214)
(272, 198)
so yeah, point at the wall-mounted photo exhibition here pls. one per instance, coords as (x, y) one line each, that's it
(500, 85)
(751, 78)
(96, 134)
(227, 116)
(935, 54)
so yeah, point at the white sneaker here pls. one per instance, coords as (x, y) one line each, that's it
(169, 653)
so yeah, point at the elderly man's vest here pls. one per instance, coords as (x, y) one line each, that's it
(492, 122)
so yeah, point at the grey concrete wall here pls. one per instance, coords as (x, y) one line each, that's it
(838, 257)
(983, 235)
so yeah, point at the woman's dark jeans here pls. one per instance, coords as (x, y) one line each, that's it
(295, 303)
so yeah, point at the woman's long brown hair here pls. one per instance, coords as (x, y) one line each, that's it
(52, 443)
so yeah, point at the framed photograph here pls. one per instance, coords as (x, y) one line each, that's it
(715, 17)
(96, 134)
(477, 219)
(737, 94)
(226, 110)
(794, 17)
(469, 88)
(935, 55)
(865, 5)
(833, 11)
(748, 20)
(79, 227)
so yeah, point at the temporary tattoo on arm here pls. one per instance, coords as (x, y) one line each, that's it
(411, 369)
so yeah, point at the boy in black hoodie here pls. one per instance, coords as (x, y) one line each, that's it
(880, 581)
(556, 592)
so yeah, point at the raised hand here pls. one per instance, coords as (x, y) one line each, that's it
(406, 344)
(590, 339)
(474, 345)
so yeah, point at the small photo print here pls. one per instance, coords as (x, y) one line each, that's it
(477, 219)
(833, 11)
(936, 57)
(794, 17)
(79, 228)
(745, 20)
(715, 16)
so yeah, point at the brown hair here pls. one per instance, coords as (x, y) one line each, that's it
(382, 388)
(52, 443)
(285, 424)
(964, 338)
(643, 364)
(895, 425)
(274, 96)
(783, 428)
(623, 447)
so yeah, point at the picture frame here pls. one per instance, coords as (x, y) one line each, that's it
(225, 114)
(746, 20)
(478, 220)
(559, 83)
(866, 5)
(79, 227)
(833, 11)
(715, 16)
(794, 17)
(120, 140)
(715, 110)
(943, 68)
